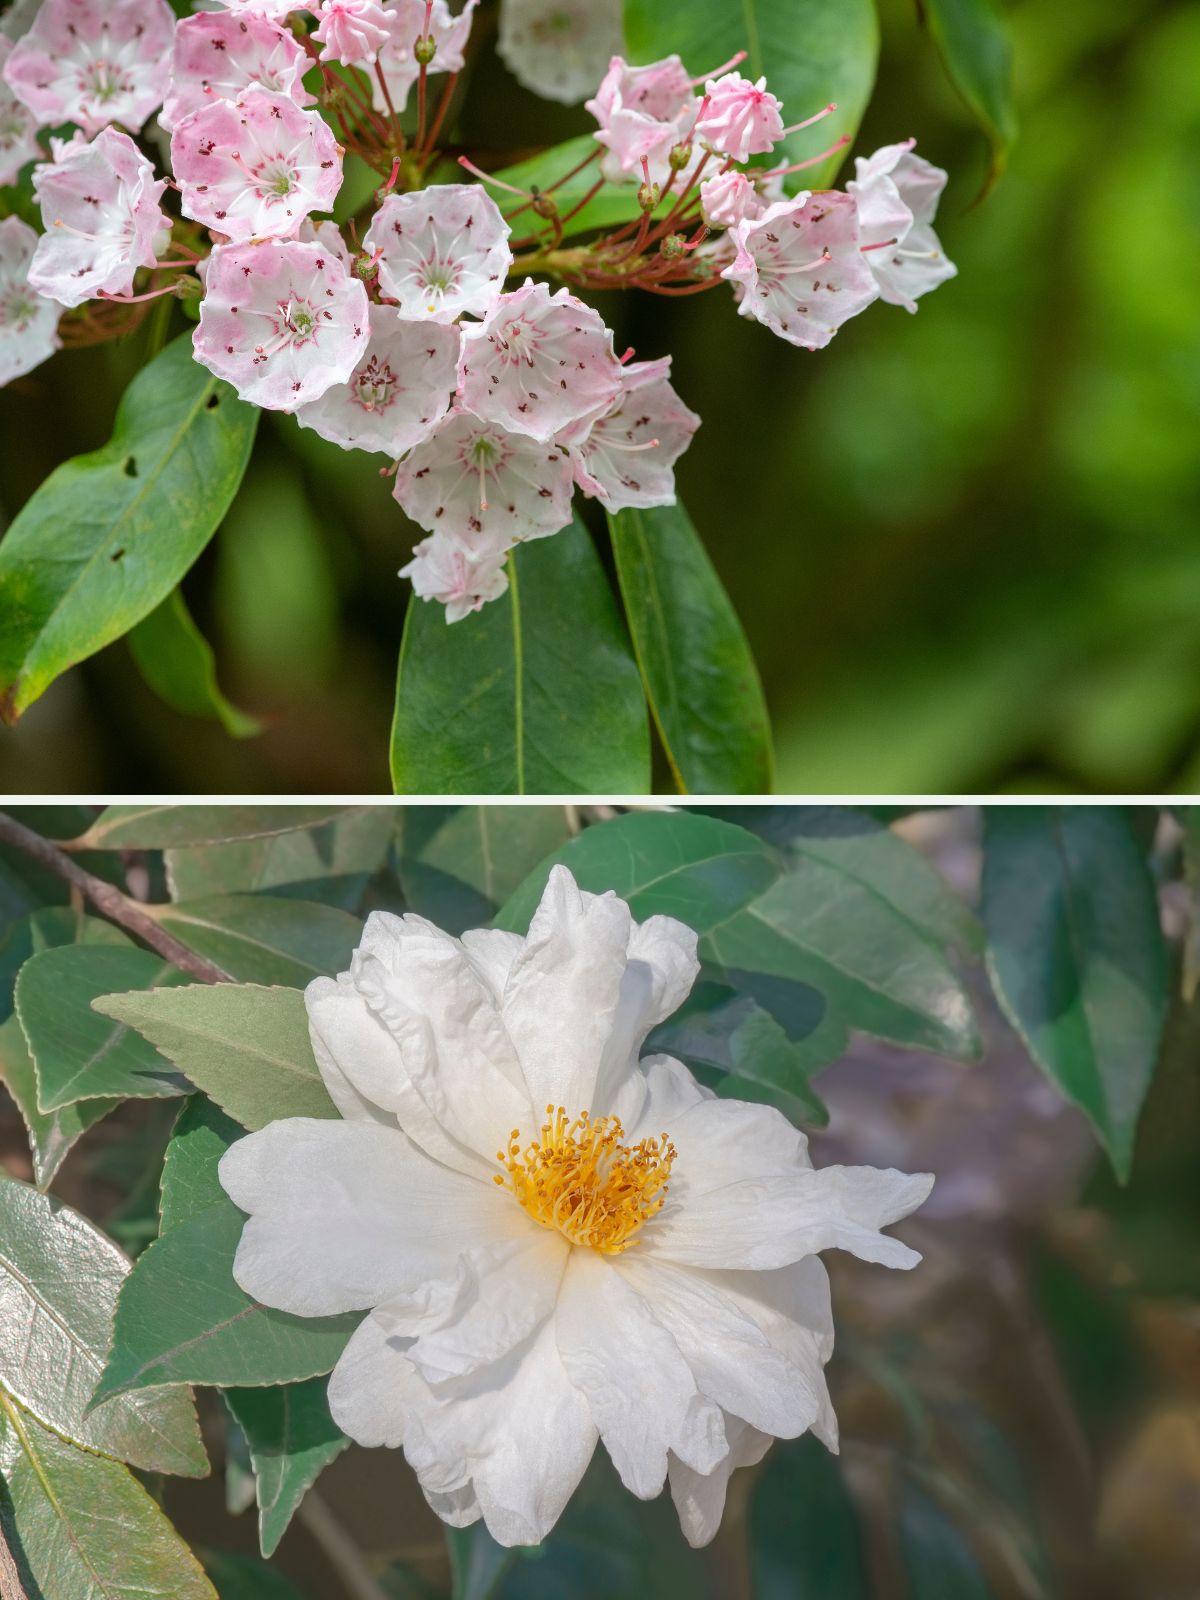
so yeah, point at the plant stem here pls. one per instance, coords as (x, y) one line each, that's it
(358, 1581)
(106, 897)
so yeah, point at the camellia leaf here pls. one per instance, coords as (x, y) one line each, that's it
(1076, 956)
(331, 862)
(78, 1055)
(292, 1438)
(59, 1281)
(110, 534)
(47, 929)
(243, 1578)
(536, 693)
(84, 1527)
(177, 661)
(166, 827)
(246, 1046)
(805, 1541)
(458, 864)
(51, 1133)
(937, 1557)
(264, 938)
(975, 44)
(190, 1184)
(699, 675)
(813, 52)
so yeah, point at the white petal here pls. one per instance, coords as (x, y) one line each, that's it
(492, 952)
(700, 1499)
(563, 990)
(638, 1387)
(459, 1508)
(343, 1215)
(662, 967)
(669, 1090)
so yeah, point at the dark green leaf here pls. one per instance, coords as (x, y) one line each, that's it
(243, 1578)
(190, 1184)
(458, 864)
(699, 675)
(331, 863)
(292, 1438)
(937, 1558)
(59, 1281)
(245, 1046)
(1076, 956)
(47, 929)
(171, 827)
(613, 203)
(110, 534)
(805, 1542)
(51, 1133)
(975, 44)
(177, 662)
(537, 693)
(265, 939)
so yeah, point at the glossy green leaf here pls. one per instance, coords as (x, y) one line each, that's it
(332, 862)
(699, 675)
(536, 693)
(292, 1438)
(177, 661)
(83, 1526)
(975, 43)
(51, 1133)
(172, 827)
(47, 929)
(937, 1557)
(190, 1185)
(246, 1046)
(612, 204)
(59, 1281)
(458, 864)
(110, 534)
(78, 1054)
(239, 1577)
(1076, 956)
(264, 938)
(812, 51)
(804, 1538)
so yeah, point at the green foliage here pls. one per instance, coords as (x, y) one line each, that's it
(291, 1438)
(973, 40)
(108, 536)
(805, 1541)
(458, 864)
(177, 662)
(172, 827)
(265, 939)
(331, 861)
(243, 1578)
(937, 1558)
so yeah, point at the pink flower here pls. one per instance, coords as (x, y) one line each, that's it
(352, 30)
(254, 168)
(28, 321)
(559, 48)
(273, 10)
(399, 389)
(739, 118)
(897, 194)
(799, 269)
(100, 206)
(406, 24)
(281, 321)
(474, 482)
(443, 251)
(538, 362)
(93, 62)
(730, 198)
(18, 126)
(324, 233)
(627, 456)
(643, 112)
(217, 55)
(442, 570)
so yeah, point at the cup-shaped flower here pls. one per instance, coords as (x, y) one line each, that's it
(100, 207)
(281, 321)
(483, 486)
(93, 62)
(352, 31)
(627, 456)
(739, 118)
(18, 126)
(556, 1241)
(538, 362)
(28, 321)
(560, 48)
(800, 270)
(897, 195)
(397, 392)
(398, 57)
(254, 168)
(442, 251)
(218, 55)
(442, 570)
(642, 112)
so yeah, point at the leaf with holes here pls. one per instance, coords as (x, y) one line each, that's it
(177, 661)
(108, 535)
(292, 1438)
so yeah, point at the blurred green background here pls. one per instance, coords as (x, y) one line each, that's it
(964, 544)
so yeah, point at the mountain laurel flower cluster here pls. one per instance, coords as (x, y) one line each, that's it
(555, 1240)
(442, 325)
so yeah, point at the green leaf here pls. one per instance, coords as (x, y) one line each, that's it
(83, 1526)
(699, 675)
(182, 1319)
(332, 862)
(110, 534)
(292, 1438)
(59, 1281)
(613, 203)
(47, 929)
(177, 661)
(805, 1541)
(51, 1133)
(264, 939)
(537, 693)
(190, 1184)
(246, 1046)
(77, 1054)
(975, 43)
(170, 827)
(937, 1557)
(1076, 956)
(812, 51)
(458, 864)
(243, 1578)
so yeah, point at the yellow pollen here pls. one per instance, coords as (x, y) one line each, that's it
(581, 1179)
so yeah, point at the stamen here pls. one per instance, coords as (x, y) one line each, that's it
(817, 116)
(734, 61)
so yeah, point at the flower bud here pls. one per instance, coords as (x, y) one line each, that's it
(649, 194)
(188, 288)
(673, 246)
(544, 205)
(364, 266)
(680, 156)
(425, 49)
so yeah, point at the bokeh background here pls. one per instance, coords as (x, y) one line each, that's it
(964, 544)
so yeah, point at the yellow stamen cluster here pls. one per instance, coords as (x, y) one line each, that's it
(581, 1179)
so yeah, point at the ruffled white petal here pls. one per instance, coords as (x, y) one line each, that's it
(661, 968)
(700, 1498)
(491, 952)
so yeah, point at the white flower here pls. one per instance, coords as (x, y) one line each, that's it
(560, 48)
(637, 1264)
(897, 194)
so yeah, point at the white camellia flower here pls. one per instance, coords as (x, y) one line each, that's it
(555, 1240)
